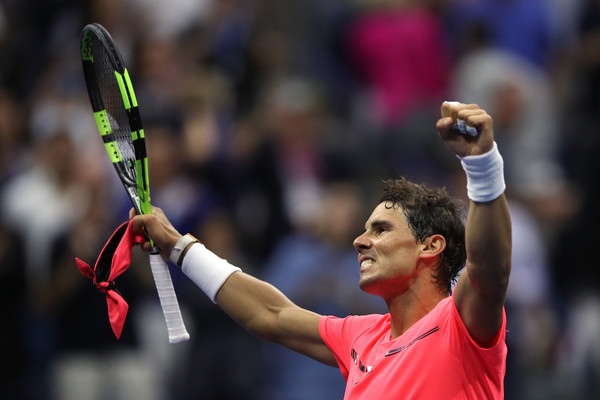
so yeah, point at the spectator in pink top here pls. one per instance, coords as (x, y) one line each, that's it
(401, 55)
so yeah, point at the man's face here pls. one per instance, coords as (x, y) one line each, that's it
(387, 253)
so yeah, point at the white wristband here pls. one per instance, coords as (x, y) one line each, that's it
(485, 175)
(207, 270)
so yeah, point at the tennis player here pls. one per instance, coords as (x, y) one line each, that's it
(438, 341)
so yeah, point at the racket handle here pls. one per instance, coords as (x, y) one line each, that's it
(168, 300)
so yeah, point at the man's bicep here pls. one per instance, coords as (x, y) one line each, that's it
(266, 312)
(301, 334)
(481, 313)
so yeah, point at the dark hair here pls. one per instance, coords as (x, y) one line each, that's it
(430, 211)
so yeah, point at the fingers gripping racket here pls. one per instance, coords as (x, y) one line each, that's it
(118, 118)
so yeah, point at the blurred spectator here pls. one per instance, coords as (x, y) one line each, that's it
(574, 271)
(167, 20)
(527, 125)
(581, 144)
(400, 53)
(172, 188)
(59, 125)
(579, 368)
(41, 203)
(160, 76)
(530, 34)
(13, 136)
(222, 360)
(294, 119)
(306, 38)
(254, 190)
(280, 158)
(533, 328)
(124, 23)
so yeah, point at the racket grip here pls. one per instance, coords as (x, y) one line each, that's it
(168, 300)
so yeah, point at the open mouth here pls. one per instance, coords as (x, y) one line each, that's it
(366, 263)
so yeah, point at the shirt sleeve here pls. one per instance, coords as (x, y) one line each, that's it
(459, 328)
(339, 334)
(487, 363)
(332, 332)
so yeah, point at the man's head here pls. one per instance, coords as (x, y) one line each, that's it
(430, 212)
(430, 219)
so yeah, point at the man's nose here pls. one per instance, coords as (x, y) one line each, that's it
(361, 242)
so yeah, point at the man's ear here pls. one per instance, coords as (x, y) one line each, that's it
(433, 246)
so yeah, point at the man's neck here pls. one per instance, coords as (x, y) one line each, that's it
(409, 307)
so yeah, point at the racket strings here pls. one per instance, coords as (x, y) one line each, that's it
(113, 104)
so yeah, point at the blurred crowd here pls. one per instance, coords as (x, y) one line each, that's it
(270, 126)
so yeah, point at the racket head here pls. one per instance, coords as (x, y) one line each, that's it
(116, 112)
(118, 118)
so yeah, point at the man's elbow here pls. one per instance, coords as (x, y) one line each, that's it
(491, 279)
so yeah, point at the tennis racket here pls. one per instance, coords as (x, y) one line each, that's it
(118, 118)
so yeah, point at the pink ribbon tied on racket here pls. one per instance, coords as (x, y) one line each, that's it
(114, 259)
